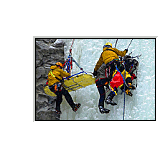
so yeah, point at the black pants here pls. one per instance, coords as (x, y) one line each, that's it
(100, 86)
(59, 98)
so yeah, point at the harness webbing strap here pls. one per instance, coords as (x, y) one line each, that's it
(52, 73)
(76, 74)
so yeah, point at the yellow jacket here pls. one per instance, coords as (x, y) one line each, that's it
(55, 73)
(108, 55)
(125, 75)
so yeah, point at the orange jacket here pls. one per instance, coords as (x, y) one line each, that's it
(55, 74)
(108, 55)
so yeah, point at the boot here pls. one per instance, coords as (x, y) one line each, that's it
(58, 112)
(103, 110)
(110, 101)
(76, 106)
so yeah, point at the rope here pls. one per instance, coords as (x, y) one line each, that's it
(76, 74)
(124, 94)
(77, 64)
(129, 43)
(116, 43)
(70, 50)
(70, 59)
(68, 62)
(136, 78)
(124, 87)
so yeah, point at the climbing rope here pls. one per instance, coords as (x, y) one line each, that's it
(70, 50)
(129, 44)
(125, 84)
(70, 60)
(116, 43)
(124, 92)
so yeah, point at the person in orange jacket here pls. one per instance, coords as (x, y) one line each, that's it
(102, 83)
(109, 56)
(55, 81)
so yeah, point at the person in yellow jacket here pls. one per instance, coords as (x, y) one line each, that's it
(55, 81)
(128, 81)
(109, 56)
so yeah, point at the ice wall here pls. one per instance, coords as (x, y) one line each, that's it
(141, 106)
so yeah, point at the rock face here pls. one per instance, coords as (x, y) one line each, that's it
(48, 52)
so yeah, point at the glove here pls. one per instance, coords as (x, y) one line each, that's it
(126, 50)
(128, 92)
(95, 73)
(130, 86)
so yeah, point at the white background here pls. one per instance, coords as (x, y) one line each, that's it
(64, 144)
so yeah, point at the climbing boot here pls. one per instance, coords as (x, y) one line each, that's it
(110, 101)
(76, 106)
(103, 110)
(58, 112)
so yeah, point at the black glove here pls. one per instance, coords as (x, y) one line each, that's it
(95, 73)
(126, 50)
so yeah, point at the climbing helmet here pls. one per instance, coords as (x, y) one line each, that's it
(59, 64)
(108, 44)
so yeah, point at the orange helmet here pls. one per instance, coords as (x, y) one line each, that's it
(59, 64)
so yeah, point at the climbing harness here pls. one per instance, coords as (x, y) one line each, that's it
(108, 68)
(57, 87)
